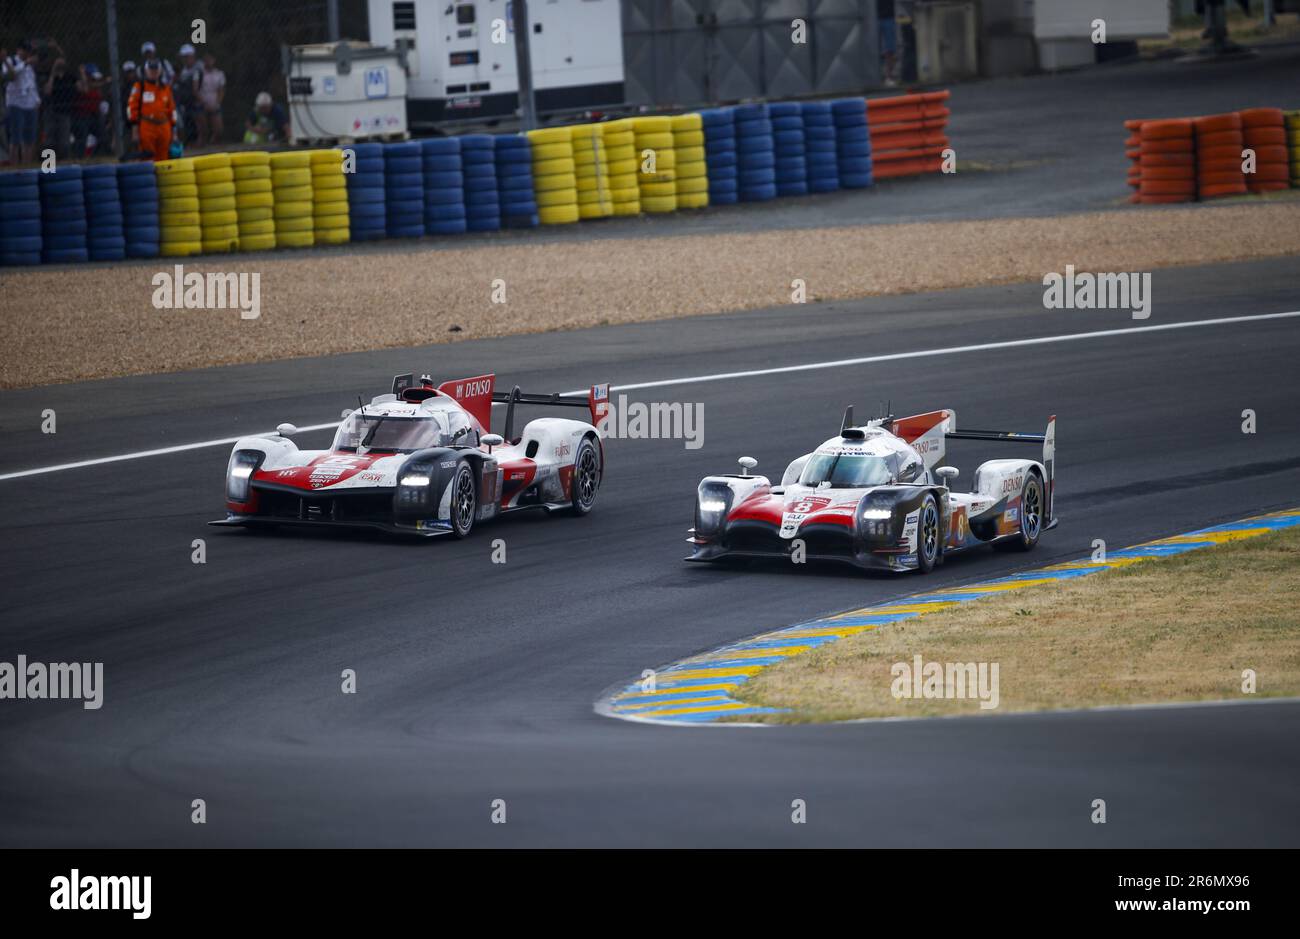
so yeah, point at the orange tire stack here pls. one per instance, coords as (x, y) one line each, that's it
(1133, 150)
(1168, 162)
(907, 133)
(1265, 133)
(1219, 143)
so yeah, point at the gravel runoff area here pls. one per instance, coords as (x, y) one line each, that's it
(84, 322)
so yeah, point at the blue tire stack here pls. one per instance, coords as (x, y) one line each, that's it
(366, 194)
(63, 215)
(720, 155)
(105, 238)
(137, 184)
(479, 164)
(852, 143)
(444, 186)
(819, 146)
(791, 156)
(20, 218)
(755, 153)
(514, 159)
(404, 190)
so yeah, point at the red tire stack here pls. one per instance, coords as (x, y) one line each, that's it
(1219, 143)
(1265, 133)
(907, 134)
(1168, 161)
(1133, 150)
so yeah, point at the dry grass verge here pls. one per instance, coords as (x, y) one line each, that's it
(98, 321)
(1176, 629)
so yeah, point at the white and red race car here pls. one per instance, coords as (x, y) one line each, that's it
(874, 496)
(421, 460)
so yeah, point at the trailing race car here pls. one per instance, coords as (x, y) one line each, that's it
(872, 497)
(421, 461)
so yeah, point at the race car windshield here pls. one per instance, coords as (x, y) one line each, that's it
(389, 433)
(845, 470)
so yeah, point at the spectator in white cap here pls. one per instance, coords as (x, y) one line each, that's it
(266, 122)
(149, 51)
(186, 91)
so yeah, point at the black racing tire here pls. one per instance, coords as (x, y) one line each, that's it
(586, 477)
(1032, 502)
(929, 534)
(464, 501)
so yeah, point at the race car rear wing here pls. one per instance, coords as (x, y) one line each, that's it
(1047, 439)
(596, 402)
(477, 395)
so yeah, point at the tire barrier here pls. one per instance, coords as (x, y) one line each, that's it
(138, 189)
(366, 204)
(656, 163)
(619, 138)
(514, 162)
(1133, 152)
(1293, 145)
(403, 190)
(63, 216)
(555, 185)
(218, 206)
(755, 153)
(254, 200)
(821, 153)
(692, 183)
(852, 142)
(479, 166)
(1264, 130)
(1217, 158)
(105, 222)
(1171, 146)
(330, 219)
(719, 125)
(907, 134)
(444, 186)
(21, 240)
(591, 170)
(789, 148)
(291, 197)
(179, 232)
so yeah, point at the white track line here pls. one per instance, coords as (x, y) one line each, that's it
(727, 376)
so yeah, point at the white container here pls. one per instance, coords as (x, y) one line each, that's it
(345, 91)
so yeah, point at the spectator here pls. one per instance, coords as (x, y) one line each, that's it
(266, 122)
(87, 114)
(152, 112)
(888, 41)
(185, 90)
(212, 94)
(22, 103)
(149, 51)
(60, 94)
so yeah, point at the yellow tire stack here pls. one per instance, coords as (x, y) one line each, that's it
(621, 156)
(329, 198)
(178, 208)
(657, 162)
(218, 219)
(692, 181)
(291, 189)
(1293, 145)
(555, 184)
(254, 202)
(592, 172)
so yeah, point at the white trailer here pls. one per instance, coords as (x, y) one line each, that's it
(460, 55)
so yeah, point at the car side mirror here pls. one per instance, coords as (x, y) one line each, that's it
(491, 440)
(747, 463)
(347, 412)
(947, 474)
(286, 430)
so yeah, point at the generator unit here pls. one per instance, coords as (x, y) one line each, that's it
(460, 55)
(345, 91)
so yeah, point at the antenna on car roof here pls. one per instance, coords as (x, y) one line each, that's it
(848, 420)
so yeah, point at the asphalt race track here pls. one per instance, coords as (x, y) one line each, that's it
(477, 681)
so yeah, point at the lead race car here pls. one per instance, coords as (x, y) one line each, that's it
(874, 496)
(421, 460)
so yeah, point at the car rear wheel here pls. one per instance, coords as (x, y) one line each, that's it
(1031, 517)
(464, 501)
(929, 539)
(586, 477)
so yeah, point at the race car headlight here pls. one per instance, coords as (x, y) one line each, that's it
(871, 514)
(711, 506)
(413, 485)
(243, 463)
